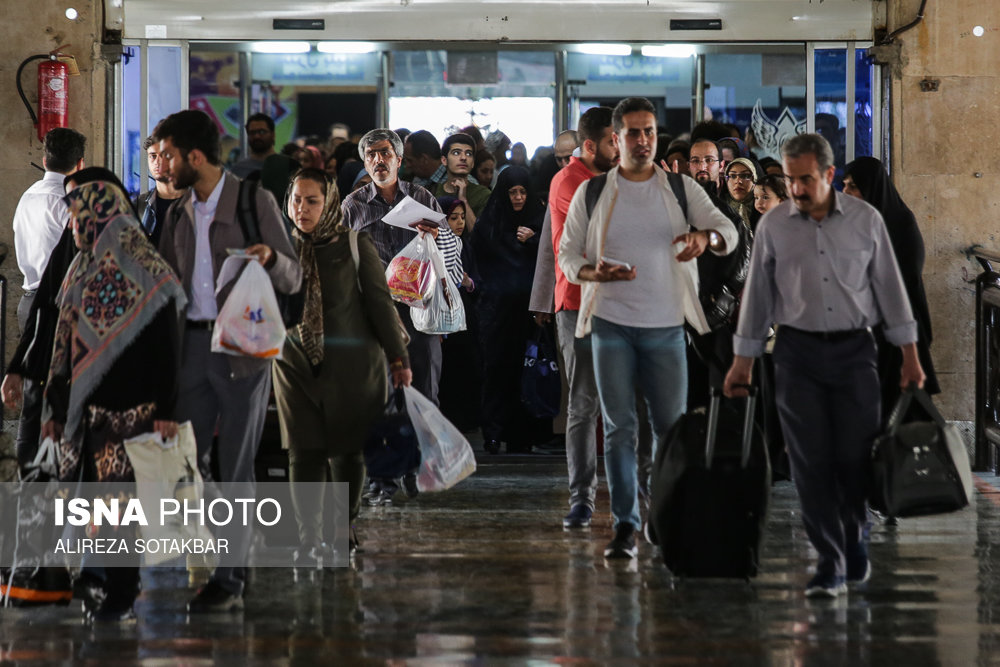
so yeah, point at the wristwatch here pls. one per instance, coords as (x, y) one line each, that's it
(715, 241)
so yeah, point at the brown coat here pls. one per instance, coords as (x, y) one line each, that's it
(177, 245)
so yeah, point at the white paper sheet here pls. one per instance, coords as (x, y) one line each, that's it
(409, 211)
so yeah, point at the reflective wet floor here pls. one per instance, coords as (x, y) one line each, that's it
(485, 574)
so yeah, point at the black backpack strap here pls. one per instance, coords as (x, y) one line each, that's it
(677, 185)
(246, 212)
(595, 187)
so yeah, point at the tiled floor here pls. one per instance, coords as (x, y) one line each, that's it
(485, 574)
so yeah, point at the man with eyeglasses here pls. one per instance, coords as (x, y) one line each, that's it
(260, 138)
(458, 156)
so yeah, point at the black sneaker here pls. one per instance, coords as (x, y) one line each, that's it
(90, 590)
(114, 609)
(578, 517)
(408, 483)
(623, 546)
(212, 598)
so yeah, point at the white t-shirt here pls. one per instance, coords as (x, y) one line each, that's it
(640, 234)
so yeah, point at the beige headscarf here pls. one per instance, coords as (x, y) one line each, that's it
(310, 329)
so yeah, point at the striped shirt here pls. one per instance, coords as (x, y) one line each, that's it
(363, 211)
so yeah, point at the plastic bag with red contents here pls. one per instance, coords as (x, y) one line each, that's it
(410, 276)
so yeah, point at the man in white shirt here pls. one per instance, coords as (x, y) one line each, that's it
(41, 215)
(222, 395)
(638, 290)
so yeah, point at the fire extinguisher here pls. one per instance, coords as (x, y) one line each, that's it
(53, 93)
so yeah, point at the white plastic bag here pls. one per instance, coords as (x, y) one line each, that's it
(249, 322)
(445, 313)
(167, 470)
(446, 456)
(409, 274)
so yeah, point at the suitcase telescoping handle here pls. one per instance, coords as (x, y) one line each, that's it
(713, 424)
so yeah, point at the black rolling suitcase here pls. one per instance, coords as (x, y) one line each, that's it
(711, 487)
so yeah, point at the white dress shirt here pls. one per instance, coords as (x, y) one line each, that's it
(39, 221)
(203, 305)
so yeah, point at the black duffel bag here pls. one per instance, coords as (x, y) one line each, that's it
(921, 467)
(392, 449)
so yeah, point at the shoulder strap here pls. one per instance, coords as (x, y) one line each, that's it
(352, 237)
(595, 186)
(246, 212)
(677, 185)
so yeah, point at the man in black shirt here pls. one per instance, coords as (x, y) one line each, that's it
(152, 205)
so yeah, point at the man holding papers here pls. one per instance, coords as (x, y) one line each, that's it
(364, 210)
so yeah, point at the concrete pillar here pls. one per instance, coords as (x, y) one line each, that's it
(943, 163)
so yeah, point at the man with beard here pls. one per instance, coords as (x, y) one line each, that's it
(220, 394)
(635, 297)
(721, 277)
(382, 152)
(260, 139)
(152, 205)
(598, 154)
(824, 272)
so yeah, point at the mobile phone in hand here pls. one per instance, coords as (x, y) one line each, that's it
(616, 263)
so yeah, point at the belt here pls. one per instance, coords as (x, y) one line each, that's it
(201, 325)
(829, 336)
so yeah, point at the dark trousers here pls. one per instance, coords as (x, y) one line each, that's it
(829, 405)
(425, 357)
(29, 428)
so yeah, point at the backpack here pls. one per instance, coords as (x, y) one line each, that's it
(596, 185)
(290, 305)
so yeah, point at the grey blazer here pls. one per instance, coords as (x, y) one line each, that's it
(177, 245)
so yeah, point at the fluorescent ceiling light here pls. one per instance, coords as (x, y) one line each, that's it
(345, 47)
(281, 47)
(606, 49)
(669, 50)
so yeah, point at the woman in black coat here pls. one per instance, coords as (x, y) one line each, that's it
(505, 245)
(867, 179)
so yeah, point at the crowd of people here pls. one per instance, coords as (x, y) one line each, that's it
(664, 265)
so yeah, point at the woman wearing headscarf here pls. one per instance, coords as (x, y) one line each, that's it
(115, 357)
(740, 176)
(330, 383)
(505, 244)
(867, 179)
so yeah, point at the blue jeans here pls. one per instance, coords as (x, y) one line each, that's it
(654, 360)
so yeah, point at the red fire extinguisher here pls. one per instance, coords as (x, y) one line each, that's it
(53, 93)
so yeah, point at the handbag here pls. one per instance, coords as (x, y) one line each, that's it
(167, 470)
(541, 384)
(446, 456)
(30, 581)
(392, 449)
(921, 467)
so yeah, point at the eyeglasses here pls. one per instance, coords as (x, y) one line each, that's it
(258, 133)
(739, 177)
(708, 161)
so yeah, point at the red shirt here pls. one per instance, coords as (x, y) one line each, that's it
(561, 191)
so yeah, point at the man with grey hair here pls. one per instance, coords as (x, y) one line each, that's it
(382, 153)
(823, 270)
